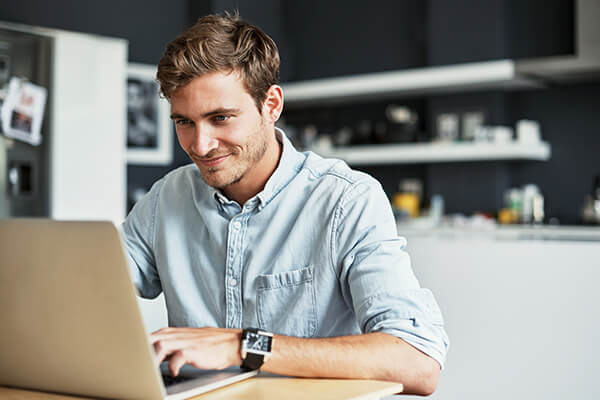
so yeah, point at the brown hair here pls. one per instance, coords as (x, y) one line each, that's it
(221, 43)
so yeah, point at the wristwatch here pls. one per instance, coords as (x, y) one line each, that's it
(256, 348)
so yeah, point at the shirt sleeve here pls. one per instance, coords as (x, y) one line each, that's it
(375, 273)
(138, 232)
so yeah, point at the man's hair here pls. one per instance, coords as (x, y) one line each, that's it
(221, 43)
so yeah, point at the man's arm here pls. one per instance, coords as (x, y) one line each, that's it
(377, 355)
(137, 232)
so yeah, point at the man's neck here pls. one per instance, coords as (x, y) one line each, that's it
(255, 180)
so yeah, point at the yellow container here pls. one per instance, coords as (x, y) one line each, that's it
(406, 202)
(507, 216)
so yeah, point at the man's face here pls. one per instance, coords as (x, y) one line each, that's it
(219, 127)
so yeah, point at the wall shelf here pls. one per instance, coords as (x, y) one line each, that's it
(500, 74)
(414, 153)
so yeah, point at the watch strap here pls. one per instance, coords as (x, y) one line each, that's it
(253, 361)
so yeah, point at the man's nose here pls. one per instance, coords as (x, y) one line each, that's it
(204, 141)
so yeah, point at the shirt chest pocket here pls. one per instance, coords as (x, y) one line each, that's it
(286, 303)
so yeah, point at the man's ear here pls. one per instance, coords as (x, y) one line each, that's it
(273, 105)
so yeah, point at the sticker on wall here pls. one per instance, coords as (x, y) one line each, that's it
(23, 111)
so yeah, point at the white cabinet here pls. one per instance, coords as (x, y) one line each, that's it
(521, 314)
(88, 127)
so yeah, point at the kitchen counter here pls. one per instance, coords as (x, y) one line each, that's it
(506, 232)
(519, 304)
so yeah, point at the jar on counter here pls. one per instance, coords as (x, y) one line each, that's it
(406, 202)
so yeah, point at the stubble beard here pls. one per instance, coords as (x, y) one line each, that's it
(255, 149)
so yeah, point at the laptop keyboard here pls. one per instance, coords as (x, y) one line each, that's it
(169, 380)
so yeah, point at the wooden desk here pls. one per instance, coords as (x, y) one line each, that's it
(262, 388)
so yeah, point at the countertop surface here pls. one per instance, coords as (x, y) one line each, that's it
(504, 232)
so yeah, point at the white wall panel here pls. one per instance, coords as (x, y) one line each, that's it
(88, 175)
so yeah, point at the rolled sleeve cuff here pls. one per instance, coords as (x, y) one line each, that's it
(437, 351)
(412, 316)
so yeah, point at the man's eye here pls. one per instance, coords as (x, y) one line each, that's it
(183, 122)
(221, 118)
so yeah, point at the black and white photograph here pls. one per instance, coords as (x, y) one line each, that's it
(149, 135)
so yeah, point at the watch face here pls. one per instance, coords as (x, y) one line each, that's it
(256, 342)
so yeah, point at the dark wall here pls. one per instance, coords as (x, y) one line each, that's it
(340, 37)
(460, 31)
(465, 31)
(148, 24)
(539, 28)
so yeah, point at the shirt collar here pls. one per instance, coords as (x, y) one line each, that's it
(219, 197)
(290, 162)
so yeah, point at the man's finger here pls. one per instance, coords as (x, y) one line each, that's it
(162, 348)
(177, 361)
(166, 347)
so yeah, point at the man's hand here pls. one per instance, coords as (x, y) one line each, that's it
(206, 348)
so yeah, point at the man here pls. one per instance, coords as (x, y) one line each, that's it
(255, 234)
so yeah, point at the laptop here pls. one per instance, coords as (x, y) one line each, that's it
(70, 321)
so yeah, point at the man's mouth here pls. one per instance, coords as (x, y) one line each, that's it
(212, 162)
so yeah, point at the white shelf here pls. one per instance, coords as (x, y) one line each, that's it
(501, 74)
(413, 153)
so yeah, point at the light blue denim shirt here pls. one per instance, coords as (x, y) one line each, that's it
(315, 254)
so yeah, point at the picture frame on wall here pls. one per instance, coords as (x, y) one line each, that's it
(149, 128)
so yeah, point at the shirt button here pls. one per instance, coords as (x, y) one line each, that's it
(233, 282)
(237, 225)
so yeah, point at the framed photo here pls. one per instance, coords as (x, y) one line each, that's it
(149, 128)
